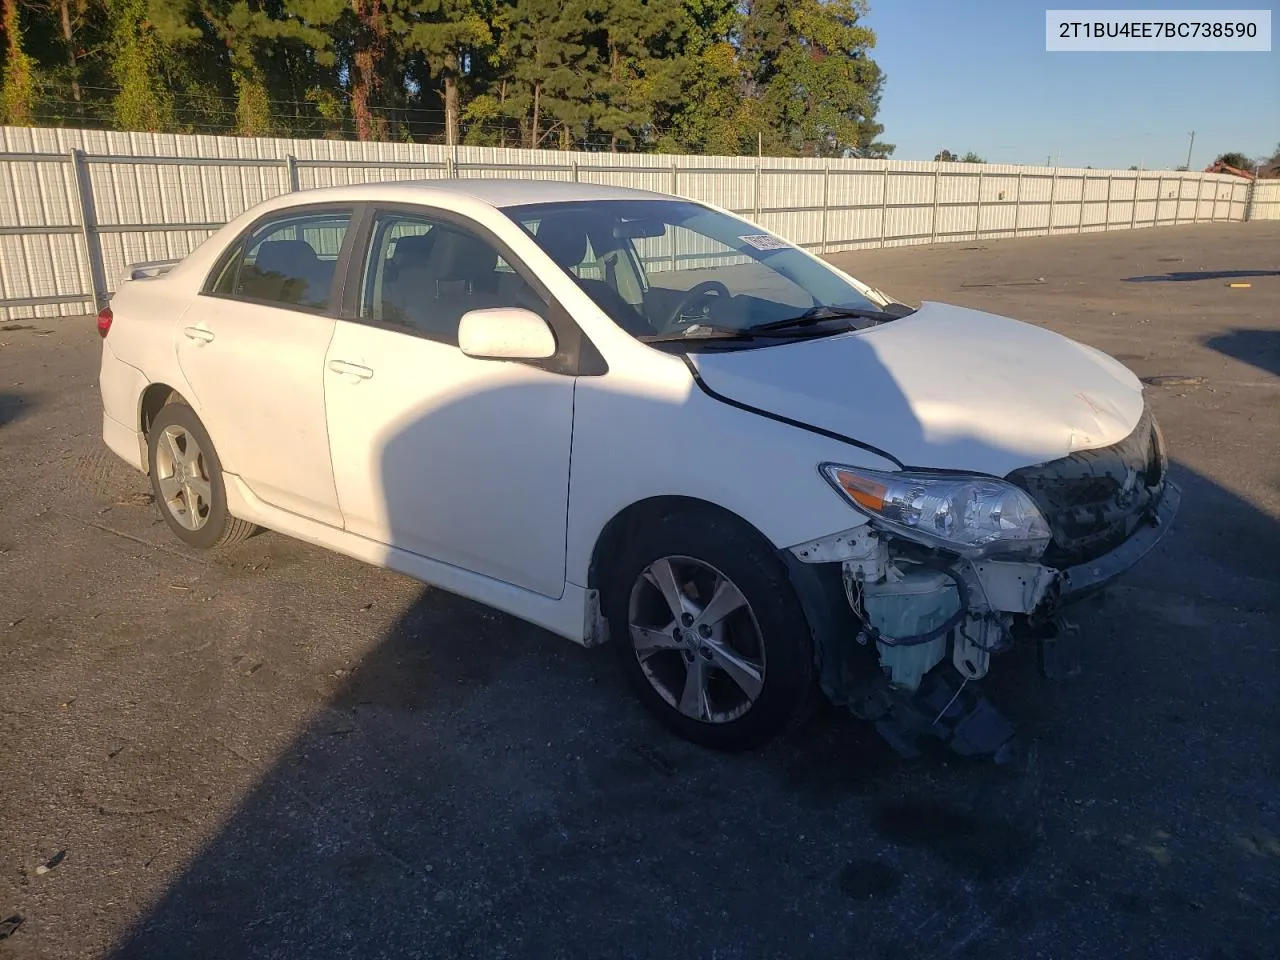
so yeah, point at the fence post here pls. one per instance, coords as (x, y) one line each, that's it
(1053, 189)
(1017, 201)
(675, 182)
(1195, 217)
(977, 217)
(1133, 210)
(756, 191)
(933, 224)
(826, 202)
(83, 198)
(290, 173)
(884, 204)
(1084, 193)
(1107, 225)
(573, 166)
(1155, 217)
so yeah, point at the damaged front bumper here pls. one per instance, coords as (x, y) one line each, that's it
(918, 627)
(1042, 592)
(1075, 583)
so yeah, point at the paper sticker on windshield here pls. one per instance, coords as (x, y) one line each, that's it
(762, 241)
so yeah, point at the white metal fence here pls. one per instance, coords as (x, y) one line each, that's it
(77, 206)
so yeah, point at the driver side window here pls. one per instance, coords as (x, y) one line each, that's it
(423, 274)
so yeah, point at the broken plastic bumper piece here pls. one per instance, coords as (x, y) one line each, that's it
(1075, 583)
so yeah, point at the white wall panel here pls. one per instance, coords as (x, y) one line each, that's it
(868, 203)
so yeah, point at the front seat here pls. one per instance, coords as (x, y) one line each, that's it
(564, 240)
(459, 275)
(400, 293)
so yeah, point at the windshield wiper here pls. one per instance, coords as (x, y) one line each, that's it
(699, 331)
(818, 314)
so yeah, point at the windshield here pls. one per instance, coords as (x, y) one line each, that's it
(664, 269)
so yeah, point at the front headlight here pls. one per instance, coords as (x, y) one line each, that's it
(972, 516)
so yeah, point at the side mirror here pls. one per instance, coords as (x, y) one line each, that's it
(505, 333)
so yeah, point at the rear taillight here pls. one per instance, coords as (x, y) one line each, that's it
(104, 322)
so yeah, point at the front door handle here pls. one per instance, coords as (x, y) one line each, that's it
(199, 334)
(351, 369)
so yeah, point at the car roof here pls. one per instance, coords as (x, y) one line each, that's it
(496, 192)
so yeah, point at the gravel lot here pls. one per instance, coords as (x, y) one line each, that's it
(278, 752)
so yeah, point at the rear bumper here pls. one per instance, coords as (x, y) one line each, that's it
(121, 386)
(125, 442)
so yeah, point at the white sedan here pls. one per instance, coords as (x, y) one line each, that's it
(628, 416)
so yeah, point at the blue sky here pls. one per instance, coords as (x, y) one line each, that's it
(975, 76)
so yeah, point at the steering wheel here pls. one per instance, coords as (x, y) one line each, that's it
(680, 315)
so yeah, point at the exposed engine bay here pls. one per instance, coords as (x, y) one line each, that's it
(926, 622)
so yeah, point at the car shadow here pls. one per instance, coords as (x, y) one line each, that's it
(1192, 275)
(1260, 348)
(480, 787)
(13, 406)
(477, 785)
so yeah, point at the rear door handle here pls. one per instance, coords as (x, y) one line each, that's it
(352, 369)
(199, 334)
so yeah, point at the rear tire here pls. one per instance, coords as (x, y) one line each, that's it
(734, 668)
(186, 479)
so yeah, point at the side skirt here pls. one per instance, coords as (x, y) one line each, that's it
(566, 616)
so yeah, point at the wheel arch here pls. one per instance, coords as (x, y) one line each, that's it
(150, 402)
(623, 524)
(152, 399)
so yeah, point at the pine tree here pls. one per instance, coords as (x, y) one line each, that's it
(810, 69)
(642, 65)
(550, 71)
(447, 33)
(706, 76)
(710, 116)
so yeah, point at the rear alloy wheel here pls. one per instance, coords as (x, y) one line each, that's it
(186, 478)
(709, 632)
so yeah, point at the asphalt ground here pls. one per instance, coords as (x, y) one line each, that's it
(278, 752)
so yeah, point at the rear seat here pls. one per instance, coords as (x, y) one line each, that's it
(288, 271)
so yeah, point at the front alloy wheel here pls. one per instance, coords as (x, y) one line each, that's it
(696, 639)
(708, 629)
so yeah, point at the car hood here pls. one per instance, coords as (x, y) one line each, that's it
(946, 387)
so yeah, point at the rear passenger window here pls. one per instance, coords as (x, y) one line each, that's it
(424, 274)
(290, 260)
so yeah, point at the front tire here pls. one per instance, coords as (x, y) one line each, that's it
(709, 632)
(186, 479)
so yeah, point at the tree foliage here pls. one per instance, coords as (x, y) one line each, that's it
(1236, 159)
(705, 76)
(17, 91)
(946, 156)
